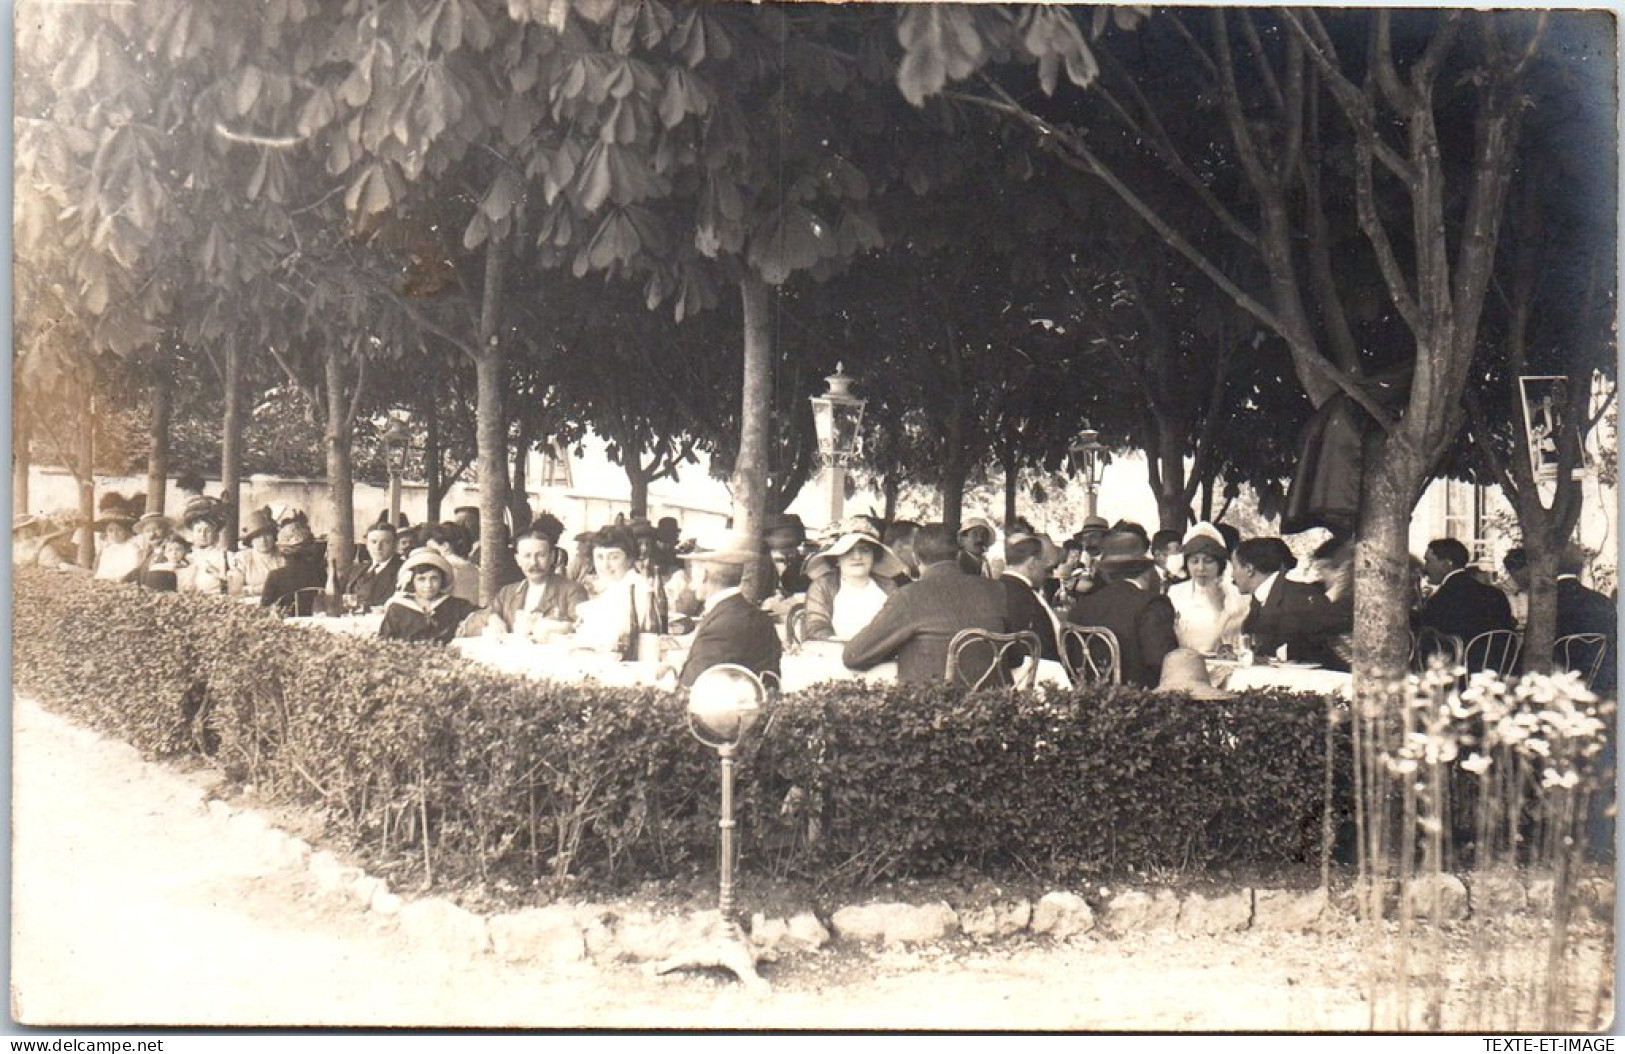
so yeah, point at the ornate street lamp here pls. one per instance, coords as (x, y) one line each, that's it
(837, 416)
(1089, 460)
(397, 440)
(723, 704)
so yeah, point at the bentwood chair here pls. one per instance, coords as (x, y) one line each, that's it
(1429, 642)
(1091, 655)
(301, 603)
(1584, 653)
(1497, 650)
(795, 625)
(979, 658)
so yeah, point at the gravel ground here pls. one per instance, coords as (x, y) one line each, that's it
(134, 905)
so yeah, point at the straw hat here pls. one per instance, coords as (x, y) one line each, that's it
(729, 549)
(202, 509)
(422, 558)
(1204, 538)
(294, 537)
(977, 523)
(112, 516)
(156, 518)
(259, 522)
(1093, 525)
(1184, 670)
(887, 563)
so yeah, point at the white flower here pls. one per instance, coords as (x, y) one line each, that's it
(1476, 763)
(1551, 778)
(1536, 745)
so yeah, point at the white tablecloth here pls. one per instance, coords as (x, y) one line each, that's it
(354, 625)
(1293, 677)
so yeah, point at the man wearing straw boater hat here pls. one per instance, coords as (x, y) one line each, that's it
(732, 629)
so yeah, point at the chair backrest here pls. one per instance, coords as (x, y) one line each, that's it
(1429, 642)
(979, 658)
(795, 624)
(1496, 650)
(1583, 653)
(1091, 655)
(301, 603)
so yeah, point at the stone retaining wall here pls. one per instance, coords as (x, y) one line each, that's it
(573, 936)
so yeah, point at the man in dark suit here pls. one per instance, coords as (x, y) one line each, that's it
(1461, 605)
(1129, 602)
(1026, 568)
(374, 584)
(732, 629)
(916, 623)
(544, 593)
(1581, 609)
(1284, 612)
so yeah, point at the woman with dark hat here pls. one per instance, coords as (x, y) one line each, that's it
(303, 567)
(850, 581)
(1209, 610)
(257, 557)
(426, 610)
(121, 555)
(209, 563)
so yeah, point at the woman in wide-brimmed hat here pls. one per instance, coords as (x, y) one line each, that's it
(257, 556)
(35, 541)
(120, 557)
(426, 611)
(851, 579)
(1209, 609)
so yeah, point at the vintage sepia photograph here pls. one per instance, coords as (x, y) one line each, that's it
(625, 516)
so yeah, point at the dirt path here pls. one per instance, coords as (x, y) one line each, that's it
(133, 904)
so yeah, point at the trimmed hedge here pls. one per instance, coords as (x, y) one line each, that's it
(444, 773)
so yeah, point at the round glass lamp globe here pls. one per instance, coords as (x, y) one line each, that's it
(724, 703)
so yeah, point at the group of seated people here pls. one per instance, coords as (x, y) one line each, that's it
(894, 595)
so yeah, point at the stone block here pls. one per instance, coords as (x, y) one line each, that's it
(1496, 893)
(1002, 918)
(366, 888)
(1062, 915)
(643, 937)
(895, 923)
(1137, 910)
(1450, 892)
(1203, 916)
(1288, 909)
(548, 937)
(806, 932)
(440, 925)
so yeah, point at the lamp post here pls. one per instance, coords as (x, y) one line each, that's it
(1089, 459)
(837, 416)
(397, 440)
(723, 704)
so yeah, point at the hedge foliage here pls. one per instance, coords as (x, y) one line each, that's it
(445, 773)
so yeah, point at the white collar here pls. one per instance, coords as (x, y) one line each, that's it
(1570, 578)
(1452, 574)
(1262, 593)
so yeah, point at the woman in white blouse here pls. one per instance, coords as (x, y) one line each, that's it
(850, 580)
(1208, 609)
(604, 621)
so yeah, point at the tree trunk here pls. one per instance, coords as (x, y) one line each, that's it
(338, 441)
(431, 443)
(163, 404)
(889, 490)
(1173, 510)
(85, 475)
(1382, 594)
(21, 461)
(1012, 480)
(756, 393)
(491, 426)
(231, 443)
(639, 480)
(1540, 631)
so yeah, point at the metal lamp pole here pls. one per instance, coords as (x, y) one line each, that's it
(396, 437)
(722, 706)
(837, 417)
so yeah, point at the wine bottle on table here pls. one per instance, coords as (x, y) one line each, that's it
(629, 647)
(334, 600)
